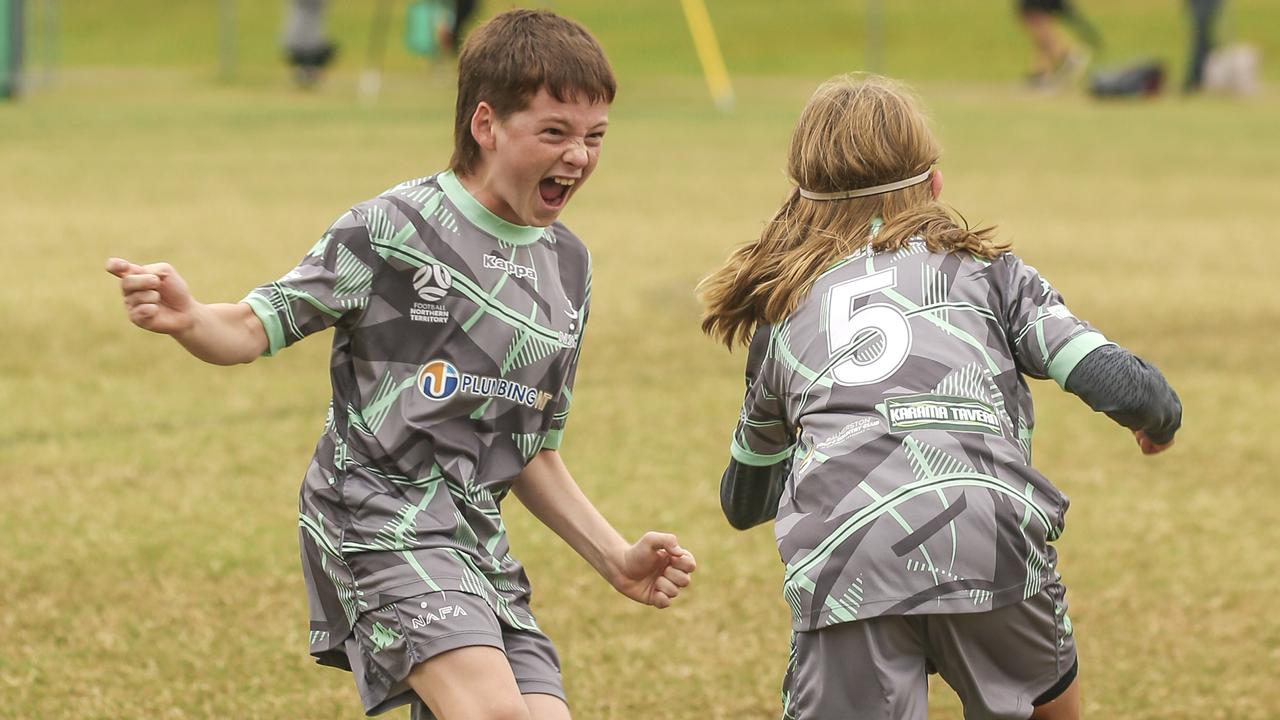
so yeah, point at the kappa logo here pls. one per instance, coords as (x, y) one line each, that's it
(382, 637)
(493, 262)
(432, 282)
(444, 613)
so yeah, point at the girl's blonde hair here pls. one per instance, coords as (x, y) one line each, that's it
(856, 131)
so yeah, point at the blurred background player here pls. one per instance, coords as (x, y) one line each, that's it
(887, 426)
(463, 10)
(1057, 60)
(307, 45)
(1204, 17)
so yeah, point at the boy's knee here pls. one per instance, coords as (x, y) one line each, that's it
(514, 709)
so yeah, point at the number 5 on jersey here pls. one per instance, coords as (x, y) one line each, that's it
(849, 330)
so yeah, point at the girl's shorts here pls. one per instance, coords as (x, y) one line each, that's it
(1002, 663)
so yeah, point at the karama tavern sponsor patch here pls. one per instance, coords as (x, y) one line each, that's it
(906, 413)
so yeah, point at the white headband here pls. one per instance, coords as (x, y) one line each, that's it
(863, 192)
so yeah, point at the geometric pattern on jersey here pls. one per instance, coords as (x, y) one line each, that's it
(455, 347)
(898, 389)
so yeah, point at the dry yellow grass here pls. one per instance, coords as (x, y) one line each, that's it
(149, 560)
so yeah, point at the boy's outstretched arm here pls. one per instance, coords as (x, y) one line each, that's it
(157, 299)
(653, 571)
(1114, 381)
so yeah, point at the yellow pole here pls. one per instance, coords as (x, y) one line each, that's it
(704, 41)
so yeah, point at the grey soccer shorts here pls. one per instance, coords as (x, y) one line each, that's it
(387, 642)
(1002, 663)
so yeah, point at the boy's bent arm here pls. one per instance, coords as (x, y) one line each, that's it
(157, 299)
(652, 571)
(225, 334)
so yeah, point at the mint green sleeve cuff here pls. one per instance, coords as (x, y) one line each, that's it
(746, 457)
(552, 439)
(1072, 352)
(270, 321)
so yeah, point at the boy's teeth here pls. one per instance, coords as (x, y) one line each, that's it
(563, 181)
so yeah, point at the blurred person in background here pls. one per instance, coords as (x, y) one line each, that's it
(307, 45)
(463, 10)
(1204, 17)
(1057, 60)
(886, 428)
(458, 302)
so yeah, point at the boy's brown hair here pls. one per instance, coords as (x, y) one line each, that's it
(508, 59)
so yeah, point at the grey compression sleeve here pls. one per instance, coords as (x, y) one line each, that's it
(1114, 381)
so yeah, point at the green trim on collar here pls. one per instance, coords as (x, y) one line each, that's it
(482, 217)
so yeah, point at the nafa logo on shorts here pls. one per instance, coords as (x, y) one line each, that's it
(438, 380)
(440, 615)
(432, 282)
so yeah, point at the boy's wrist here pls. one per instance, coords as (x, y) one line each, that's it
(192, 318)
(614, 562)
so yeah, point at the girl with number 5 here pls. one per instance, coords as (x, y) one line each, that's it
(887, 426)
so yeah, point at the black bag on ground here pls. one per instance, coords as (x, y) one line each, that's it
(1145, 78)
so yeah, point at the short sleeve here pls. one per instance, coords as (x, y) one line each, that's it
(333, 281)
(763, 436)
(1046, 338)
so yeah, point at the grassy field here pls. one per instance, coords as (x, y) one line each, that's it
(148, 551)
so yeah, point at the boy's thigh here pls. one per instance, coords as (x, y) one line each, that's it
(468, 683)
(446, 690)
(867, 669)
(466, 663)
(1006, 662)
(444, 642)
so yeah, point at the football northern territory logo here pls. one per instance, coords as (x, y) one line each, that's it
(432, 283)
(440, 380)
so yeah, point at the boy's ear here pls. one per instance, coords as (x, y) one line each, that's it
(482, 126)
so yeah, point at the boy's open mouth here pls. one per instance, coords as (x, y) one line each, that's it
(555, 191)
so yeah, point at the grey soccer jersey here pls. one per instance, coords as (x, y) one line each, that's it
(896, 388)
(454, 351)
